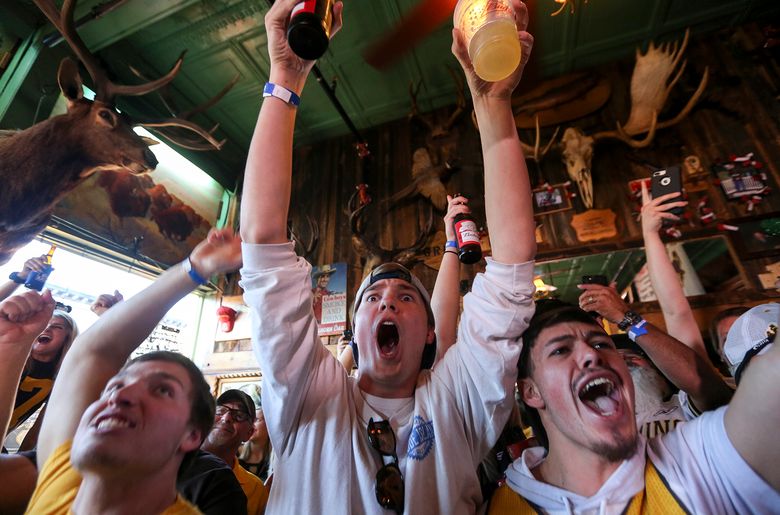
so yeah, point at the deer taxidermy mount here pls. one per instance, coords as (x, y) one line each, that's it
(372, 253)
(92, 136)
(437, 160)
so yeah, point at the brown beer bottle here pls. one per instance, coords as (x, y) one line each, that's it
(309, 30)
(467, 236)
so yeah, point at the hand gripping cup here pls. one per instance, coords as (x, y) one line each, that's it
(489, 29)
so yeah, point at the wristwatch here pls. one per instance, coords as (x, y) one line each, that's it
(15, 278)
(629, 319)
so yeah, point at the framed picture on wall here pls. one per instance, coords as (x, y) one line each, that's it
(551, 199)
(249, 383)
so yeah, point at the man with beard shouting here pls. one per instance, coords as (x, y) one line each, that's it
(579, 395)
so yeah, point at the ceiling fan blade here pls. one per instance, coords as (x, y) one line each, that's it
(423, 19)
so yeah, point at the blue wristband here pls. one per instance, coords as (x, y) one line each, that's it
(195, 276)
(282, 93)
(451, 244)
(637, 330)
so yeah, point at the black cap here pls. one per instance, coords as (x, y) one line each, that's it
(240, 397)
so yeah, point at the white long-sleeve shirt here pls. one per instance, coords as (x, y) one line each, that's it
(317, 416)
(696, 460)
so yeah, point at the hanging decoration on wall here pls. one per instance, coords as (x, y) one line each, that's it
(694, 176)
(594, 225)
(552, 198)
(437, 160)
(742, 178)
(655, 74)
(329, 298)
(564, 4)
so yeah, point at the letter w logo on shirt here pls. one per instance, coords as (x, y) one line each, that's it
(421, 440)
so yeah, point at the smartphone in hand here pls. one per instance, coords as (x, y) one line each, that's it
(595, 279)
(667, 181)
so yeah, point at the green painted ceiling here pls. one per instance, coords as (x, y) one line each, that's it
(226, 37)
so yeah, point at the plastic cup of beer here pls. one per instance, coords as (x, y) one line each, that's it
(489, 29)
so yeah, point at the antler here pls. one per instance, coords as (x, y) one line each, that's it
(314, 230)
(105, 90)
(415, 112)
(533, 152)
(373, 253)
(650, 88)
(184, 124)
(185, 116)
(460, 103)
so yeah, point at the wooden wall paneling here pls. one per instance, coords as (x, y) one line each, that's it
(734, 116)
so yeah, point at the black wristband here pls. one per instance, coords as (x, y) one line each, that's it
(15, 278)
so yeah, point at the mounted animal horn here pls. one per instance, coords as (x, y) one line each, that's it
(650, 88)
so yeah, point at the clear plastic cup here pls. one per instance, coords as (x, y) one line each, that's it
(491, 35)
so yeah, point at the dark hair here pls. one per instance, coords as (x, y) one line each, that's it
(548, 316)
(202, 405)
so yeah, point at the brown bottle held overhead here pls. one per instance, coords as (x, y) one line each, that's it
(467, 236)
(309, 30)
(37, 279)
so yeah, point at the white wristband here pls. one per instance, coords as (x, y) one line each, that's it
(282, 93)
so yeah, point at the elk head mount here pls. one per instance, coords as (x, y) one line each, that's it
(434, 162)
(40, 165)
(372, 253)
(650, 88)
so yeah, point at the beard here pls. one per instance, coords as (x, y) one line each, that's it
(650, 389)
(619, 448)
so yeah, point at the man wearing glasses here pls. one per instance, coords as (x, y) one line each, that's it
(233, 425)
(398, 437)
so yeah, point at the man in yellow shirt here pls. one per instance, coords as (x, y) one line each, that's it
(115, 434)
(233, 425)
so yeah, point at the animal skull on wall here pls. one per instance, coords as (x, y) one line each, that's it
(577, 152)
(650, 88)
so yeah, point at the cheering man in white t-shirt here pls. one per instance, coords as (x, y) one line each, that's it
(579, 395)
(398, 437)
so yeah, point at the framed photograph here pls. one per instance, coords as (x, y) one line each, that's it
(551, 199)
(249, 383)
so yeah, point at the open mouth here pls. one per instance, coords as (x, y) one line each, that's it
(111, 422)
(43, 338)
(601, 396)
(387, 338)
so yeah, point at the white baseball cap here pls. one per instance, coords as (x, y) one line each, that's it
(752, 334)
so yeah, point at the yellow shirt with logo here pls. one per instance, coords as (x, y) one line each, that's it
(58, 484)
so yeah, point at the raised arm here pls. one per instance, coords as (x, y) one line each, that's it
(507, 186)
(267, 180)
(686, 369)
(22, 318)
(754, 415)
(99, 353)
(105, 301)
(9, 287)
(677, 311)
(445, 300)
